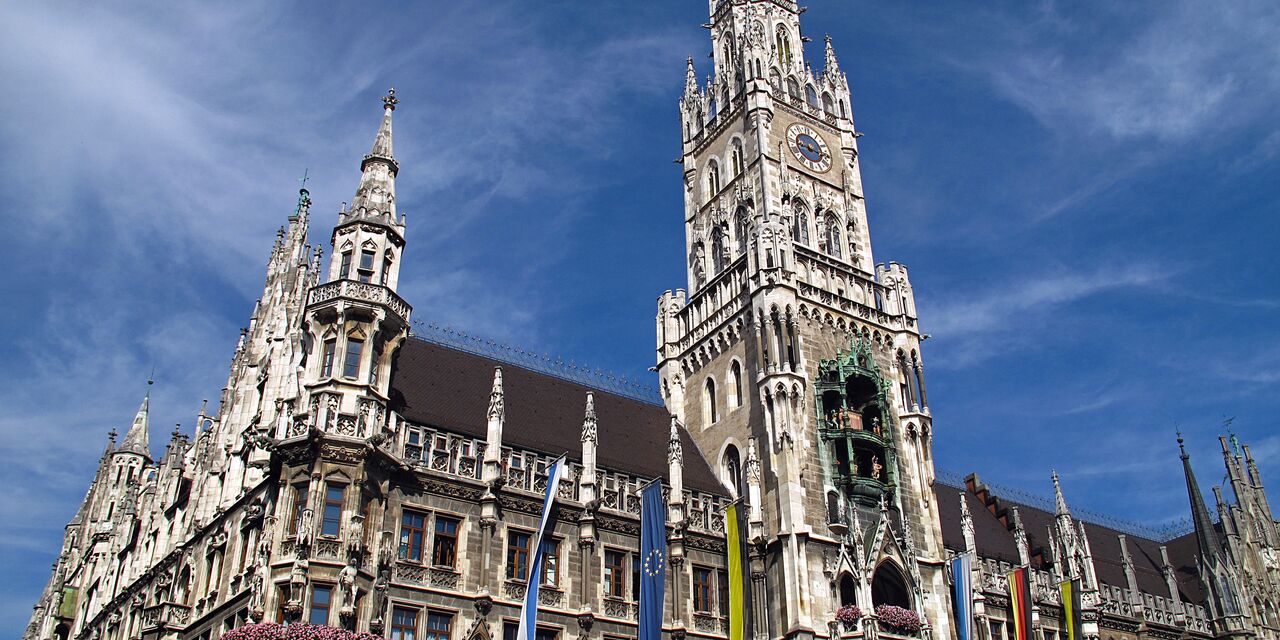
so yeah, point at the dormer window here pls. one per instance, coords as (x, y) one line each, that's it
(344, 269)
(351, 364)
(365, 272)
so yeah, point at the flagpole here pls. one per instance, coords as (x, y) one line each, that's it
(529, 610)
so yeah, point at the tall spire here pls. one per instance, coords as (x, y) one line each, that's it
(137, 440)
(376, 195)
(830, 66)
(1059, 501)
(690, 80)
(1206, 534)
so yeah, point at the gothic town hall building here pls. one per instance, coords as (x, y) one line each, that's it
(360, 476)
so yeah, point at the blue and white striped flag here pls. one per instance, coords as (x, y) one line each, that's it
(529, 612)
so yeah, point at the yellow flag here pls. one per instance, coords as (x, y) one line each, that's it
(737, 599)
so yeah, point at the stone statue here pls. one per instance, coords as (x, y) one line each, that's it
(347, 585)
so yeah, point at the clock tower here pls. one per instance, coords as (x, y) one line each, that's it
(793, 357)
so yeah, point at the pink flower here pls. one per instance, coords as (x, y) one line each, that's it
(898, 618)
(849, 614)
(295, 631)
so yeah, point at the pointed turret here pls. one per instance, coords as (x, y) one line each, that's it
(1020, 539)
(831, 66)
(690, 81)
(496, 416)
(1060, 502)
(137, 441)
(589, 442)
(1206, 534)
(375, 198)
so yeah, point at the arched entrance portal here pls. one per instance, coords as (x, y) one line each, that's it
(889, 586)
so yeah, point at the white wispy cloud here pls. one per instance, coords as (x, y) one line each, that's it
(1004, 306)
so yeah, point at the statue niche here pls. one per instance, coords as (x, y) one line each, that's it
(855, 425)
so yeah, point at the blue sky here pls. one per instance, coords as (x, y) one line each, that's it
(1085, 194)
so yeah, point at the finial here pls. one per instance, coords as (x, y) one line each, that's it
(111, 435)
(177, 430)
(390, 101)
(151, 379)
(1181, 449)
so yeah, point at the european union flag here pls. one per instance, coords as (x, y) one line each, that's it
(653, 561)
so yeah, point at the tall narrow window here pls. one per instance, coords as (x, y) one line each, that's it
(517, 555)
(719, 254)
(828, 105)
(386, 270)
(738, 164)
(326, 360)
(793, 88)
(833, 235)
(320, 600)
(344, 268)
(404, 624)
(551, 563)
(439, 626)
(365, 272)
(374, 365)
(333, 497)
(811, 96)
(351, 364)
(722, 592)
(299, 505)
(615, 580)
(800, 224)
(733, 469)
(713, 179)
(282, 602)
(712, 413)
(413, 527)
(701, 590)
(735, 372)
(444, 547)
(635, 576)
(783, 43)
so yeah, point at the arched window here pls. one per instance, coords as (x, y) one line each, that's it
(889, 586)
(733, 470)
(811, 96)
(833, 235)
(793, 88)
(724, 56)
(848, 591)
(711, 410)
(713, 179)
(783, 43)
(737, 158)
(828, 104)
(735, 374)
(844, 113)
(711, 109)
(800, 224)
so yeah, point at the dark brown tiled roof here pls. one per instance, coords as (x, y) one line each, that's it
(994, 540)
(446, 388)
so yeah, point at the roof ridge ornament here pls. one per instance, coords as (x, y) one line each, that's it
(390, 100)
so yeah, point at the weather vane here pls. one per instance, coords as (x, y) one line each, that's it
(390, 101)
(305, 177)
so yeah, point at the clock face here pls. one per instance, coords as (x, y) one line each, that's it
(808, 147)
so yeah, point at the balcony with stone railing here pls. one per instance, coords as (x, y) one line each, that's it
(166, 615)
(374, 294)
(708, 310)
(436, 451)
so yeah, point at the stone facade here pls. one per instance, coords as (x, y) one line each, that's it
(363, 477)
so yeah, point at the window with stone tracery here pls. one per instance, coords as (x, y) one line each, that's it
(800, 224)
(833, 235)
(783, 43)
(737, 158)
(713, 179)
